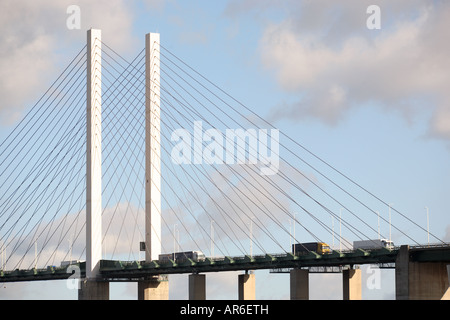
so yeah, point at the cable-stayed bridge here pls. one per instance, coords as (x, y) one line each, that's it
(122, 164)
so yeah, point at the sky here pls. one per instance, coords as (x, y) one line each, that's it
(374, 103)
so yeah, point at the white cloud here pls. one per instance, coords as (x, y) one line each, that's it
(323, 54)
(35, 39)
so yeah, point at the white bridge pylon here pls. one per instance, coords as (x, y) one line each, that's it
(152, 148)
(94, 155)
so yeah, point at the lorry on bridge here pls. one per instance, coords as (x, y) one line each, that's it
(182, 256)
(373, 244)
(306, 247)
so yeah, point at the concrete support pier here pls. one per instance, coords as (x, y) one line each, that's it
(197, 287)
(402, 274)
(246, 286)
(299, 284)
(351, 284)
(153, 289)
(93, 290)
(419, 280)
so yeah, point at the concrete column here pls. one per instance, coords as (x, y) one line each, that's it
(154, 289)
(246, 286)
(93, 290)
(197, 287)
(402, 274)
(152, 148)
(94, 154)
(299, 284)
(351, 284)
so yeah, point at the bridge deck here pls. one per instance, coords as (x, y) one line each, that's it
(114, 270)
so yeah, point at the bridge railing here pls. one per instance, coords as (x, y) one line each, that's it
(430, 245)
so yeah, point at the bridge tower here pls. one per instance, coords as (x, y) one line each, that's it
(90, 288)
(154, 288)
(152, 148)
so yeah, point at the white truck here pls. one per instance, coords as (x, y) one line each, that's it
(373, 244)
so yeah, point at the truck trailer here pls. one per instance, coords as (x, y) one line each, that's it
(306, 247)
(373, 244)
(182, 256)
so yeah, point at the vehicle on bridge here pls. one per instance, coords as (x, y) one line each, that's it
(67, 263)
(306, 247)
(182, 256)
(373, 244)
